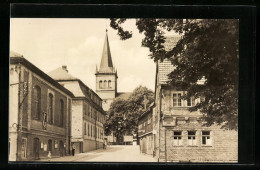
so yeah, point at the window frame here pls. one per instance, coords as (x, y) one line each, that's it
(208, 138)
(178, 140)
(193, 138)
(178, 99)
(37, 103)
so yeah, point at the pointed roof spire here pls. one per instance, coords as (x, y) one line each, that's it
(106, 65)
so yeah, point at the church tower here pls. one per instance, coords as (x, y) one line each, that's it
(106, 77)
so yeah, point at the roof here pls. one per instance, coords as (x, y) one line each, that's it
(15, 54)
(75, 85)
(149, 110)
(165, 67)
(19, 59)
(61, 73)
(123, 95)
(106, 65)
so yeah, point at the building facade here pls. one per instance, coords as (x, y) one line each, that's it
(145, 131)
(88, 117)
(179, 135)
(39, 113)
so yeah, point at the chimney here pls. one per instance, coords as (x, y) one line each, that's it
(64, 68)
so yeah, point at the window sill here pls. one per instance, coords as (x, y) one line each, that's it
(206, 145)
(192, 145)
(178, 146)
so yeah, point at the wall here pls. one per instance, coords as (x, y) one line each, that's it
(224, 146)
(76, 119)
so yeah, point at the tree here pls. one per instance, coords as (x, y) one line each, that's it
(208, 49)
(123, 114)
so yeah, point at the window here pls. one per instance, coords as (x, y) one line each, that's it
(206, 138)
(61, 112)
(100, 84)
(49, 145)
(85, 128)
(50, 116)
(88, 129)
(176, 99)
(109, 84)
(105, 84)
(24, 147)
(191, 138)
(177, 138)
(191, 101)
(91, 130)
(36, 103)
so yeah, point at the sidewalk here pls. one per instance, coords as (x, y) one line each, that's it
(76, 157)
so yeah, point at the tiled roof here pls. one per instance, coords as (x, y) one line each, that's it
(123, 95)
(165, 67)
(61, 73)
(74, 87)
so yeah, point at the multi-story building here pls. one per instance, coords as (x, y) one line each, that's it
(39, 113)
(88, 117)
(178, 133)
(145, 131)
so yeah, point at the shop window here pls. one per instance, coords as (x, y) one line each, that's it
(191, 138)
(49, 145)
(36, 103)
(177, 99)
(206, 138)
(177, 138)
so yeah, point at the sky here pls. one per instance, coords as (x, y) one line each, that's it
(78, 44)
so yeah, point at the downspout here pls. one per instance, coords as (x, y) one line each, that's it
(159, 120)
(18, 121)
(165, 145)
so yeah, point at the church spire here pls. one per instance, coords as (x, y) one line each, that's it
(106, 65)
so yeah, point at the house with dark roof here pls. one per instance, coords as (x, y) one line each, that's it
(88, 116)
(39, 113)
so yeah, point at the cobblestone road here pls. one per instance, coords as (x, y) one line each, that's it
(115, 153)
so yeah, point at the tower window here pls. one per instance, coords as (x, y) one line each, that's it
(100, 84)
(109, 84)
(105, 84)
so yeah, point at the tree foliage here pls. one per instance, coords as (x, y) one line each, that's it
(123, 114)
(208, 48)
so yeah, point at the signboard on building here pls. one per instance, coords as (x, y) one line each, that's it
(169, 121)
(128, 138)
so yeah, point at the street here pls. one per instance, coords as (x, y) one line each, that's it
(114, 153)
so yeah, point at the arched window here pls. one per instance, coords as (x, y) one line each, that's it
(61, 112)
(88, 129)
(49, 145)
(105, 84)
(109, 84)
(36, 103)
(50, 104)
(91, 130)
(100, 84)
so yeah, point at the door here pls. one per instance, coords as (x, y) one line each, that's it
(36, 147)
(61, 148)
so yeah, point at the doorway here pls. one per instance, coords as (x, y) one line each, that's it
(36, 147)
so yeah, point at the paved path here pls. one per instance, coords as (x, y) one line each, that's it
(115, 153)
